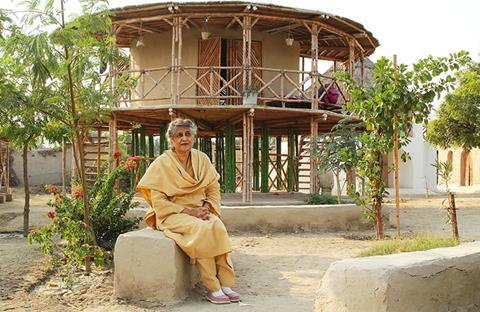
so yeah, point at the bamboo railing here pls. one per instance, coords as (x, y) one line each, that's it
(223, 85)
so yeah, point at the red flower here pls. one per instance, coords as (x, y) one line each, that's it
(77, 194)
(51, 214)
(52, 189)
(130, 164)
(134, 158)
(117, 154)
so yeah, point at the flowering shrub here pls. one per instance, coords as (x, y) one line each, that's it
(67, 239)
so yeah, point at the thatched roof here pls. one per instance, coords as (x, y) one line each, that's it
(333, 37)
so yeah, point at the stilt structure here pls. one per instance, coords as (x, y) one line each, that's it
(241, 83)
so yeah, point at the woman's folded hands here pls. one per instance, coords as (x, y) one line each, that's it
(199, 212)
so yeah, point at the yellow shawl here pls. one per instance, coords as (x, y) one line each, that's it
(169, 184)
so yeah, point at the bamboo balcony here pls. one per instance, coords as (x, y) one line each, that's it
(228, 85)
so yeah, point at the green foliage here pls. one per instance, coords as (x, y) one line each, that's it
(68, 240)
(405, 95)
(457, 122)
(337, 150)
(318, 199)
(444, 171)
(418, 243)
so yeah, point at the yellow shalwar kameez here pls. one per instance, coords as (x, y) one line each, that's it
(169, 188)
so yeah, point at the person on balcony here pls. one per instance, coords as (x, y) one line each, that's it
(181, 186)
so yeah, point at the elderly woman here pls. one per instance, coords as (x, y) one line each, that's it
(181, 187)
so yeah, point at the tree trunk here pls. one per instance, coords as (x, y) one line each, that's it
(377, 199)
(453, 215)
(26, 207)
(339, 189)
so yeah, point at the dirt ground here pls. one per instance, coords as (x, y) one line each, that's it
(275, 272)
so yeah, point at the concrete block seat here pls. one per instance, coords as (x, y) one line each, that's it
(151, 267)
(437, 280)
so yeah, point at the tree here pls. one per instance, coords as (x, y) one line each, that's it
(72, 61)
(405, 95)
(457, 123)
(19, 121)
(337, 150)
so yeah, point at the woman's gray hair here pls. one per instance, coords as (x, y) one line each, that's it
(187, 123)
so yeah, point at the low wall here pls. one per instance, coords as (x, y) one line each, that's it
(444, 279)
(292, 218)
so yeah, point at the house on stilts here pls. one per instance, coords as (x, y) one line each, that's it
(246, 73)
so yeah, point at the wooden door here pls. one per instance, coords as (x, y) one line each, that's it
(235, 59)
(209, 54)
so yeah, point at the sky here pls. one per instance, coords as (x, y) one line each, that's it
(412, 29)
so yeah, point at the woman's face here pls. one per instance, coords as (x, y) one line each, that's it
(182, 140)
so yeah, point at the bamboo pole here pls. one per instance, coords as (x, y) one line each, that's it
(133, 149)
(395, 157)
(179, 57)
(278, 161)
(313, 165)
(314, 67)
(291, 165)
(247, 155)
(163, 140)
(297, 165)
(256, 164)
(151, 147)
(265, 159)
(174, 65)
(143, 150)
(230, 159)
(244, 54)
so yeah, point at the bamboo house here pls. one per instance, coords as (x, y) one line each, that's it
(246, 73)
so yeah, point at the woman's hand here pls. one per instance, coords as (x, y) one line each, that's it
(200, 212)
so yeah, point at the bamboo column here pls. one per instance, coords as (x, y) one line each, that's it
(230, 159)
(247, 155)
(314, 58)
(362, 69)
(143, 151)
(291, 164)
(351, 56)
(220, 156)
(297, 165)
(247, 53)
(133, 150)
(395, 156)
(151, 147)
(163, 139)
(174, 79)
(179, 57)
(278, 162)
(113, 142)
(313, 165)
(265, 159)
(256, 164)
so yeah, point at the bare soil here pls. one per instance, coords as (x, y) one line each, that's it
(275, 272)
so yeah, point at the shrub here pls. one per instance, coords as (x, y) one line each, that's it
(318, 199)
(67, 240)
(417, 243)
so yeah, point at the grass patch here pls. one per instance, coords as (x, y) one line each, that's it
(417, 243)
(319, 199)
